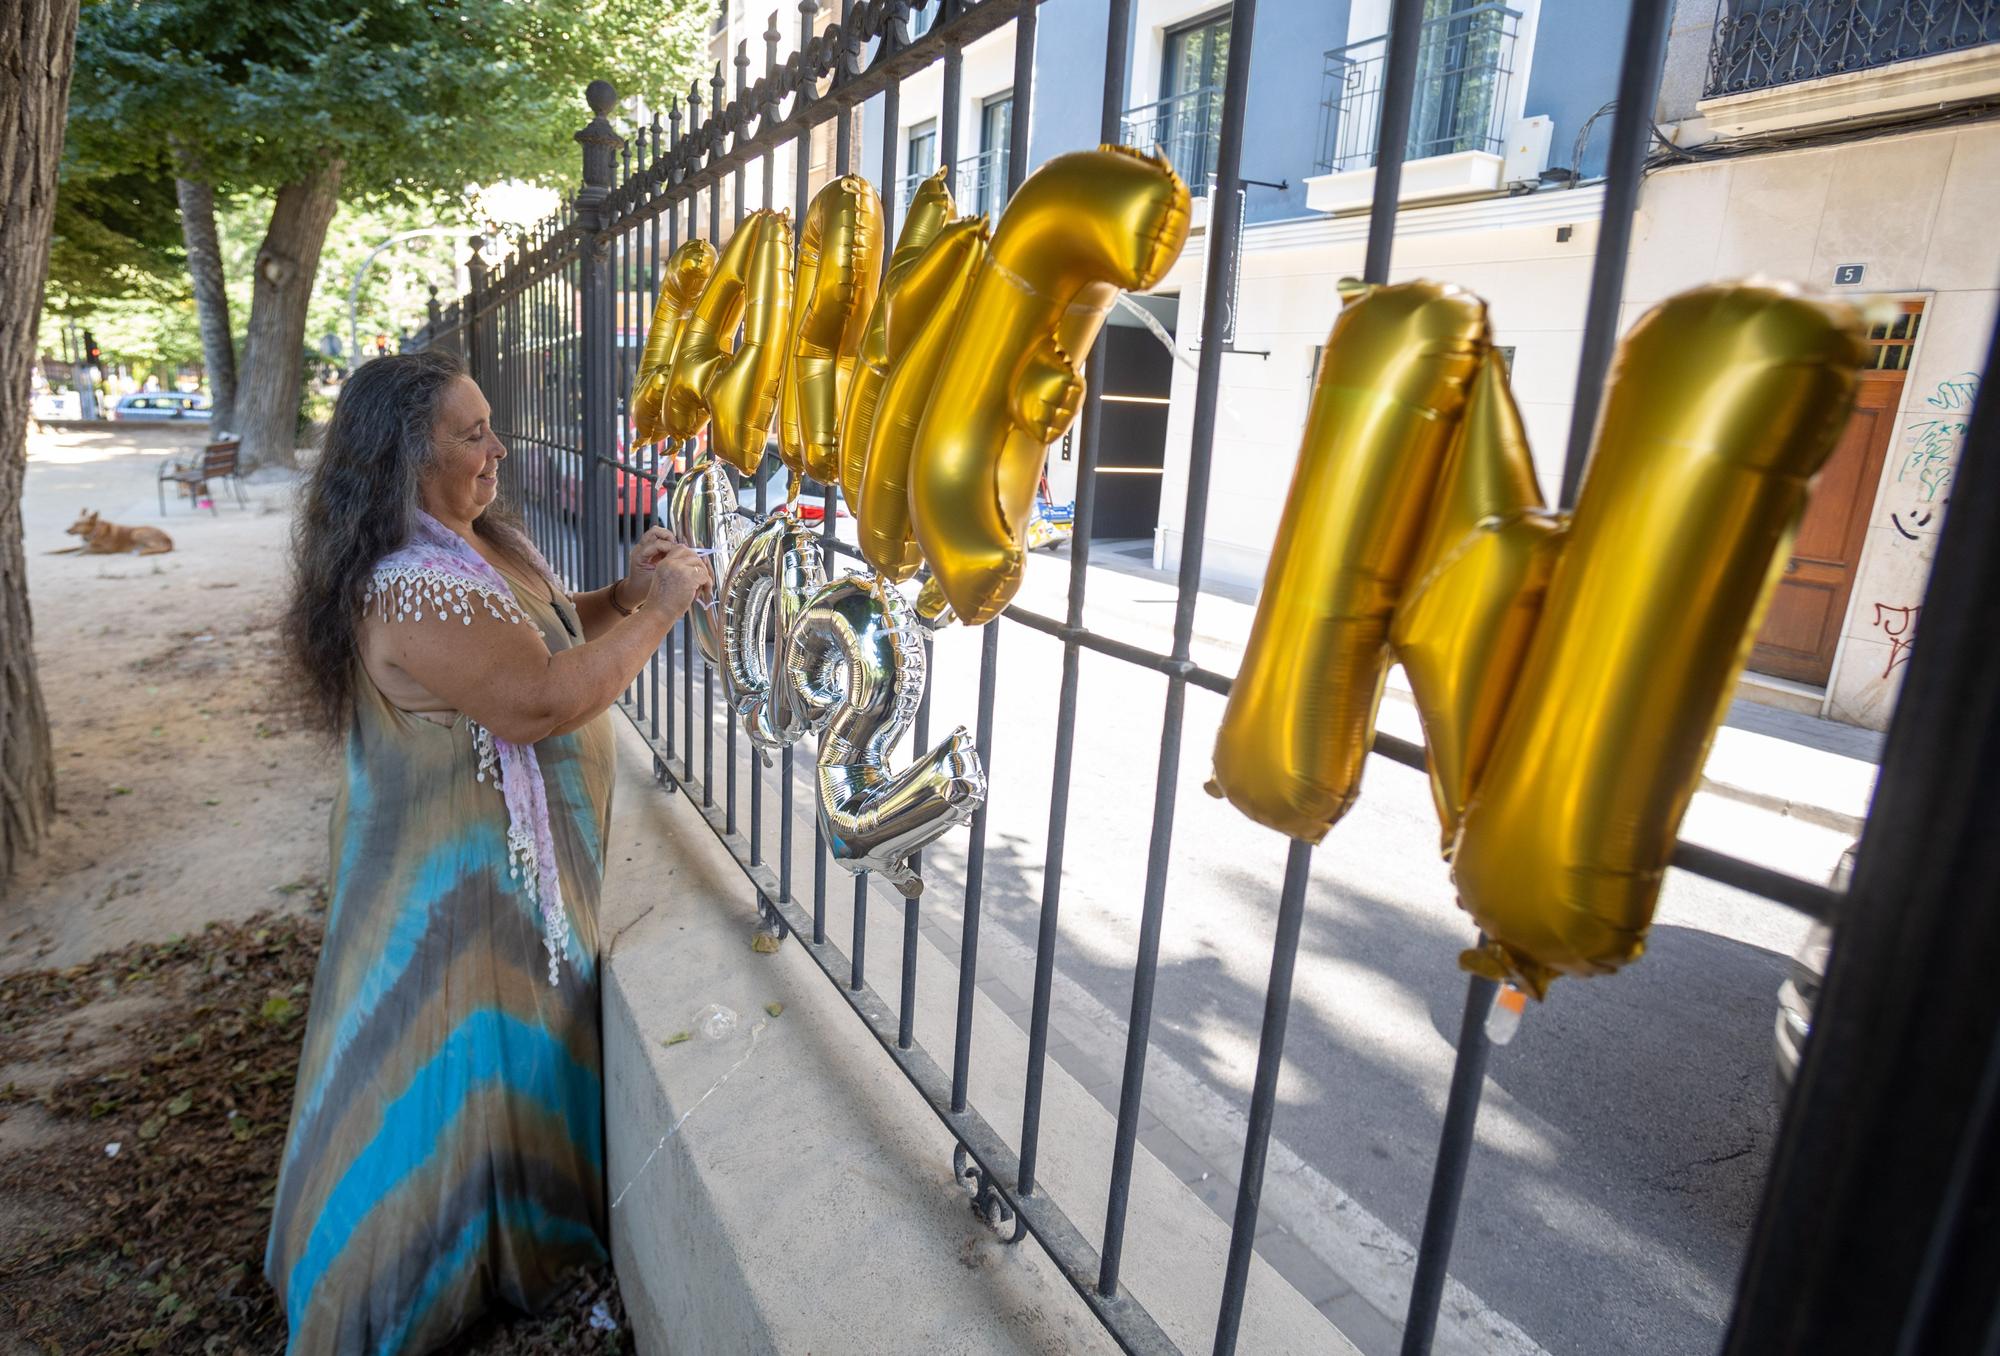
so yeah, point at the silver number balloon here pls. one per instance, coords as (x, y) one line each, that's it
(702, 514)
(776, 571)
(863, 631)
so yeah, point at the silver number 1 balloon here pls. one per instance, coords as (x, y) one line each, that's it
(864, 630)
(702, 514)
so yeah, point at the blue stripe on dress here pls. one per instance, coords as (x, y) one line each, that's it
(488, 1047)
(441, 872)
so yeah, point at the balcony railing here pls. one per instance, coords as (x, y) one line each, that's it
(1761, 43)
(1187, 127)
(1464, 62)
(980, 183)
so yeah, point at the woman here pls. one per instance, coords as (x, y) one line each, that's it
(446, 1146)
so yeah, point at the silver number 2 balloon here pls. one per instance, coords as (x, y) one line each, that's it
(864, 630)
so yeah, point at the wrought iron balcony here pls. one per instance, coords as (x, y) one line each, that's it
(1761, 43)
(1464, 63)
(1187, 126)
(979, 185)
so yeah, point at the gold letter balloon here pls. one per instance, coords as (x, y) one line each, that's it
(738, 387)
(930, 207)
(1569, 674)
(1724, 403)
(686, 275)
(922, 319)
(1301, 715)
(840, 267)
(1083, 226)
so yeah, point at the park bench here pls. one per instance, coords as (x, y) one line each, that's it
(218, 461)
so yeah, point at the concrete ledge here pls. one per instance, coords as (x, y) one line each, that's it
(786, 1189)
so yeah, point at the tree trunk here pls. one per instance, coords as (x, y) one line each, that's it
(37, 47)
(211, 303)
(267, 398)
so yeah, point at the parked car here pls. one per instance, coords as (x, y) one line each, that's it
(774, 473)
(161, 405)
(1800, 990)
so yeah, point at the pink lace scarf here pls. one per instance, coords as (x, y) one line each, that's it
(438, 574)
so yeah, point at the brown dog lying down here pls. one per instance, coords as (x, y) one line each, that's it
(109, 539)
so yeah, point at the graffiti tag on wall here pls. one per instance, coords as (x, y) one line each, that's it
(1930, 443)
(1899, 624)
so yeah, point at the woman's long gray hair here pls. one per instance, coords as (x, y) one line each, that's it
(360, 504)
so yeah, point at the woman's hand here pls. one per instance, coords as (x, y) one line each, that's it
(677, 576)
(641, 567)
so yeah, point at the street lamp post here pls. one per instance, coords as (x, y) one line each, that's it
(354, 288)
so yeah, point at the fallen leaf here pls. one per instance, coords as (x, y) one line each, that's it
(774, 1008)
(678, 1037)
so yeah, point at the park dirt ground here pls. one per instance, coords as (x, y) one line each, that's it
(156, 957)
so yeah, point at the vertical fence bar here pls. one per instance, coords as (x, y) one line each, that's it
(989, 638)
(657, 189)
(1631, 133)
(1392, 137)
(1263, 1094)
(1223, 242)
(717, 130)
(707, 144)
(802, 195)
(1118, 26)
(598, 339)
(688, 646)
(1638, 83)
(772, 37)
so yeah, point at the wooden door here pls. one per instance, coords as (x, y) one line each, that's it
(1803, 626)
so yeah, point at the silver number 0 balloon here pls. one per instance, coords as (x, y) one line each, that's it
(774, 574)
(865, 632)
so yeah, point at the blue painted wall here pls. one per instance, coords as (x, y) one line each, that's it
(1281, 131)
(1069, 78)
(1574, 73)
(1282, 124)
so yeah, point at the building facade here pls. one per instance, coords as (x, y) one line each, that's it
(1848, 148)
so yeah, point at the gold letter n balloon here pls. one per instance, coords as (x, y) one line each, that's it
(1569, 675)
(1082, 227)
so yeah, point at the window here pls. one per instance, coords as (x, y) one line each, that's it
(996, 128)
(1189, 121)
(923, 149)
(1195, 57)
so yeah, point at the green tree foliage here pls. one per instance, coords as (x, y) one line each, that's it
(416, 97)
(115, 238)
(302, 103)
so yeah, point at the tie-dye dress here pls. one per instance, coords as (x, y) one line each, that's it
(446, 1147)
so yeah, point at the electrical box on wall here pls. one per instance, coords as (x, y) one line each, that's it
(1528, 149)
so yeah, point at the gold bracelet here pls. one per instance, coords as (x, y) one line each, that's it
(612, 596)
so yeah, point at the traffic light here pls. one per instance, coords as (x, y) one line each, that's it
(91, 352)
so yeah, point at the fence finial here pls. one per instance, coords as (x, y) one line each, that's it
(600, 142)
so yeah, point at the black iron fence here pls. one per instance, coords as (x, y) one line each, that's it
(549, 336)
(1761, 43)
